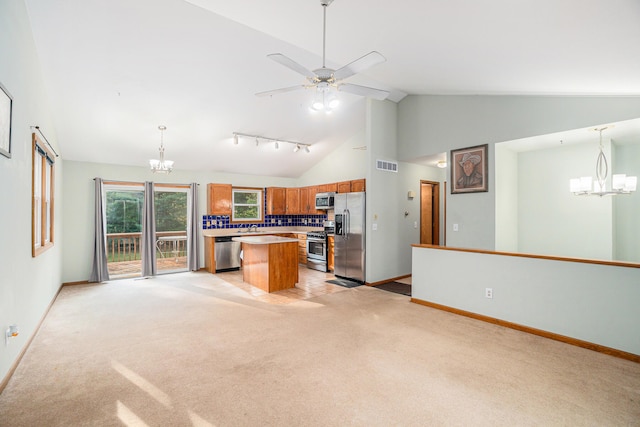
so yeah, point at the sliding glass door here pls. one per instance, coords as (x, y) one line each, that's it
(124, 211)
(124, 229)
(171, 228)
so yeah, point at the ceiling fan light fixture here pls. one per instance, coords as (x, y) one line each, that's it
(324, 78)
(333, 102)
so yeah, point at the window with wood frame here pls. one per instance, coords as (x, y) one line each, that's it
(42, 197)
(247, 205)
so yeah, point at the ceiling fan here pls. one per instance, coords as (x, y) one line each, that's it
(325, 79)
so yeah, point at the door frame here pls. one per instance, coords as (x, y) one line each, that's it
(435, 210)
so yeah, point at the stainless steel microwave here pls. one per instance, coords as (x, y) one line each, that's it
(324, 200)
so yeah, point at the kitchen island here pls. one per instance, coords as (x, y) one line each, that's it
(269, 262)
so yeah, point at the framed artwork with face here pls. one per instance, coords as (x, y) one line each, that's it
(469, 170)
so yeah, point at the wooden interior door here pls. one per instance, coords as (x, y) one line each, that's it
(429, 213)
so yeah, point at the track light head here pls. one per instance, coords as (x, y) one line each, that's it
(235, 139)
(306, 148)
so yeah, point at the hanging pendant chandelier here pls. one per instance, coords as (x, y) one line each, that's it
(586, 186)
(162, 165)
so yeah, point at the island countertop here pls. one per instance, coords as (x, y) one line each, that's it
(263, 240)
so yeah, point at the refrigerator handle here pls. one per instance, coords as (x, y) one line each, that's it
(348, 223)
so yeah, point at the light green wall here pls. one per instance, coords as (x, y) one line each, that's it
(347, 162)
(627, 208)
(27, 285)
(506, 199)
(590, 302)
(552, 221)
(433, 124)
(389, 246)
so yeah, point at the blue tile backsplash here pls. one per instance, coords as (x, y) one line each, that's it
(224, 221)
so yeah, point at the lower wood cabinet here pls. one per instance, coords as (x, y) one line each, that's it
(302, 248)
(209, 254)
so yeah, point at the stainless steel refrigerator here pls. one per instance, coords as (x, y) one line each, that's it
(349, 249)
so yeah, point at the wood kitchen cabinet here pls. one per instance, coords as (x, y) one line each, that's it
(358, 185)
(219, 199)
(331, 188)
(330, 252)
(344, 187)
(209, 254)
(304, 200)
(293, 201)
(308, 200)
(276, 200)
(302, 248)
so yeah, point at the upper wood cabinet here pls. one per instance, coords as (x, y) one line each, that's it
(276, 201)
(312, 200)
(304, 200)
(358, 185)
(344, 187)
(219, 199)
(330, 188)
(293, 201)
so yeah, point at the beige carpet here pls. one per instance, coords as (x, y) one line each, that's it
(192, 350)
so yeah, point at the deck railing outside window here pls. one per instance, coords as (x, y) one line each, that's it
(126, 246)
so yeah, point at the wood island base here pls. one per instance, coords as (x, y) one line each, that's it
(270, 264)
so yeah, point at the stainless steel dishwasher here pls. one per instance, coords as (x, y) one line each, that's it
(227, 254)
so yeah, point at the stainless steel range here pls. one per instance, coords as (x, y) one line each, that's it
(317, 250)
(317, 247)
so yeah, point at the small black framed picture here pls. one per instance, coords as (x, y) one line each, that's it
(469, 170)
(6, 108)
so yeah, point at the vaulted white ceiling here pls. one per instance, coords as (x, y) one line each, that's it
(115, 70)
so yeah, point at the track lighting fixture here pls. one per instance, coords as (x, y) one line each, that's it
(277, 142)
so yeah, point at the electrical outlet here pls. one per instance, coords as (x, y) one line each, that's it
(488, 292)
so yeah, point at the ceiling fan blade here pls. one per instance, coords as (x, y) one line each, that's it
(359, 65)
(369, 92)
(293, 65)
(282, 90)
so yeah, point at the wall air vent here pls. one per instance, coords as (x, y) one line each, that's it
(385, 165)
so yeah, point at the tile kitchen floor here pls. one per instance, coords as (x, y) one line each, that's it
(311, 283)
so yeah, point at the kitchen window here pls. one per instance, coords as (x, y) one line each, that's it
(247, 204)
(43, 171)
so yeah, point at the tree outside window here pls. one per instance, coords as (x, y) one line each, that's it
(247, 204)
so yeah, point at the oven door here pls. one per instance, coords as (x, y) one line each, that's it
(317, 254)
